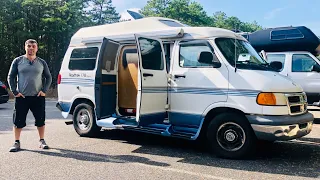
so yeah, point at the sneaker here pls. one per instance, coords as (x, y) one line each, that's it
(43, 144)
(15, 147)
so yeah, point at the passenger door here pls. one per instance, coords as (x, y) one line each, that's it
(302, 72)
(152, 81)
(105, 80)
(194, 85)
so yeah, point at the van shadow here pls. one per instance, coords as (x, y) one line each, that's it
(295, 158)
(93, 157)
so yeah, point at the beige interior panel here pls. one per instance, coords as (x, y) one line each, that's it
(128, 79)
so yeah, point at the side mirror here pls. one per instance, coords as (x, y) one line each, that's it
(209, 58)
(316, 68)
(276, 65)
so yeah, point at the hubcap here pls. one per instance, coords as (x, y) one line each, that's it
(230, 136)
(83, 119)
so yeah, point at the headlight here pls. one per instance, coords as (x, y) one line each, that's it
(305, 97)
(272, 99)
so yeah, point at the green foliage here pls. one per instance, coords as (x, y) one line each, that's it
(193, 14)
(190, 13)
(53, 22)
(102, 12)
(221, 20)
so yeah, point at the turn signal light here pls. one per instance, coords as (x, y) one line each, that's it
(267, 99)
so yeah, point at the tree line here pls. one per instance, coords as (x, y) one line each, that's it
(53, 22)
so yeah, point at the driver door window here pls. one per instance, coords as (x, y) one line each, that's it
(302, 63)
(190, 51)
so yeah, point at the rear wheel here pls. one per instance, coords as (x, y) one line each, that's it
(231, 136)
(84, 121)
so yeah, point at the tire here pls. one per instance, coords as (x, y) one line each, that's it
(233, 130)
(84, 121)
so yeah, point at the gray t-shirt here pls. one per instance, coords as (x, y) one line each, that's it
(29, 75)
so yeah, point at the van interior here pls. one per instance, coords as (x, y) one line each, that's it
(128, 78)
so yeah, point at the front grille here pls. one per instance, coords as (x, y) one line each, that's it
(297, 103)
(295, 109)
(294, 99)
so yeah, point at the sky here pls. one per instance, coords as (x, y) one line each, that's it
(270, 13)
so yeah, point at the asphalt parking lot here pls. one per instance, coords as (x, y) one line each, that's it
(130, 155)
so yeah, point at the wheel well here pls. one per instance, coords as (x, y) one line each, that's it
(79, 101)
(214, 112)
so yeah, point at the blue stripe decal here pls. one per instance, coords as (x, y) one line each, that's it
(77, 79)
(208, 91)
(78, 82)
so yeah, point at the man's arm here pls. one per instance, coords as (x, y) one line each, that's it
(12, 77)
(47, 75)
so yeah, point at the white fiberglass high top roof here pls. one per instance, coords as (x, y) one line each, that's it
(152, 26)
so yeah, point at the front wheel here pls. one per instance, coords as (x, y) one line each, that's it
(84, 121)
(231, 136)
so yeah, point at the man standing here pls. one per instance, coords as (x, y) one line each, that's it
(29, 91)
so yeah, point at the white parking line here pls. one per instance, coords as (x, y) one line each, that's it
(200, 175)
(5, 116)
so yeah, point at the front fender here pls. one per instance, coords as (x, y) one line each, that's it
(241, 107)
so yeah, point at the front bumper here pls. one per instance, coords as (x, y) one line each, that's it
(273, 128)
(63, 106)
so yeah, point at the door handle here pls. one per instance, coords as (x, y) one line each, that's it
(180, 75)
(147, 74)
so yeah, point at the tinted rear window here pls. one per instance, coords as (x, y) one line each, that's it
(83, 58)
(286, 34)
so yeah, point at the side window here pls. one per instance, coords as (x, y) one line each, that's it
(286, 34)
(302, 63)
(83, 58)
(109, 56)
(277, 57)
(151, 54)
(190, 52)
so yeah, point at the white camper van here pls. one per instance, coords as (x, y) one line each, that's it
(159, 76)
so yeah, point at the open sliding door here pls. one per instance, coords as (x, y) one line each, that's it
(105, 81)
(152, 81)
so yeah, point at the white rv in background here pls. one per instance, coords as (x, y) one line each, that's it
(294, 49)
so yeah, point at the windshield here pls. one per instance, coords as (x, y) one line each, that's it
(241, 52)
